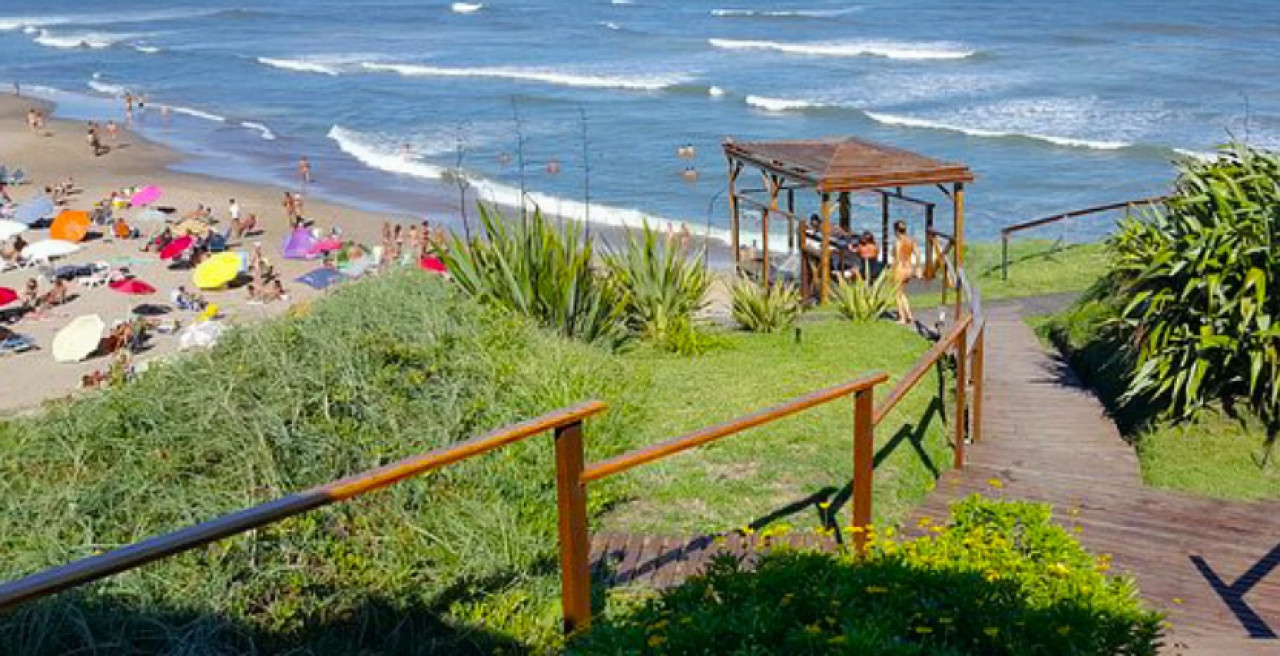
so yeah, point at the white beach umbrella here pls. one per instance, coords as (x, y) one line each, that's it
(47, 249)
(78, 339)
(10, 229)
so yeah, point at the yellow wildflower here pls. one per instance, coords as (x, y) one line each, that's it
(813, 629)
(995, 482)
(992, 631)
(656, 640)
(876, 589)
(1077, 529)
(1059, 569)
(924, 521)
(838, 640)
(1064, 630)
(659, 625)
(923, 630)
(1177, 600)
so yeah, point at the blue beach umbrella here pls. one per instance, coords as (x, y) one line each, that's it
(40, 207)
(321, 278)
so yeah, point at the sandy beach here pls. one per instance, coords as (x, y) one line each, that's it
(61, 153)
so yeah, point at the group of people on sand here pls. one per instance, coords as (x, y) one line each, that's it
(36, 120)
(405, 246)
(859, 257)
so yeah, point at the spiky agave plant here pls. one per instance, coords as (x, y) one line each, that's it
(542, 271)
(765, 309)
(662, 286)
(1195, 278)
(861, 301)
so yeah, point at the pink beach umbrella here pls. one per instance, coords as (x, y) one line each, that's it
(146, 196)
(176, 247)
(434, 264)
(7, 296)
(133, 287)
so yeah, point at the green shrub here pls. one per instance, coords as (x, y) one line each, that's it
(1194, 281)
(861, 301)
(765, 309)
(662, 289)
(459, 561)
(1000, 579)
(540, 271)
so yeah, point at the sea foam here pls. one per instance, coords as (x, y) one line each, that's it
(301, 65)
(888, 49)
(198, 113)
(95, 40)
(382, 156)
(466, 7)
(910, 122)
(262, 130)
(781, 104)
(781, 13)
(653, 83)
(107, 87)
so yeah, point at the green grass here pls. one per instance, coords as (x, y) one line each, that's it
(1037, 267)
(1215, 456)
(775, 468)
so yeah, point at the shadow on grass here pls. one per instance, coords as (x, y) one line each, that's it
(792, 602)
(86, 622)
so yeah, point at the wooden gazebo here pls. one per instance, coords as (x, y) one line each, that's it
(834, 168)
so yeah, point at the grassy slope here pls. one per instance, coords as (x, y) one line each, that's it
(1213, 456)
(748, 476)
(1037, 267)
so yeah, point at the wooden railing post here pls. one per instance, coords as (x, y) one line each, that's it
(1004, 255)
(962, 356)
(863, 465)
(978, 357)
(571, 496)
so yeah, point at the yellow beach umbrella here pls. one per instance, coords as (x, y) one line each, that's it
(217, 271)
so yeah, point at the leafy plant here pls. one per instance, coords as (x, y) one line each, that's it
(1001, 578)
(861, 301)
(661, 286)
(765, 309)
(540, 271)
(1195, 281)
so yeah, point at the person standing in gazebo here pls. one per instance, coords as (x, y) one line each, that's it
(904, 255)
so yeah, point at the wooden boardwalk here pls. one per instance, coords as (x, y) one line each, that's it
(1211, 565)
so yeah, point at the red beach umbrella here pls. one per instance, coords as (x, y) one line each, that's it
(132, 286)
(7, 296)
(175, 247)
(432, 264)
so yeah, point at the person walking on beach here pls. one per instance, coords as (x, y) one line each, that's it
(290, 210)
(112, 130)
(33, 121)
(904, 254)
(95, 144)
(128, 106)
(233, 211)
(304, 171)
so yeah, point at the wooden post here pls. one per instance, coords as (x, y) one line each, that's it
(571, 497)
(957, 241)
(805, 288)
(928, 242)
(976, 431)
(962, 355)
(734, 169)
(824, 282)
(846, 211)
(884, 228)
(1004, 255)
(791, 218)
(863, 466)
(774, 185)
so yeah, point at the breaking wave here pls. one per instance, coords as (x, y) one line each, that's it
(907, 121)
(888, 49)
(301, 65)
(782, 104)
(650, 83)
(466, 7)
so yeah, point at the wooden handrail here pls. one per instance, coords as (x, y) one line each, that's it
(1008, 230)
(91, 569)
(633, 459)
(921, 367)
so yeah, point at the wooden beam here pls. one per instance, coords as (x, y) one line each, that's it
(957, 238)
(846, 211)
(884, 229)
(928, 242)
(791, 218)
(824, 281)
(773, 184)
(735, 168)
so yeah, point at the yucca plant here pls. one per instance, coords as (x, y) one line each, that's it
(765, 309)
(662, 286)
(541, 271)
(861, 301)
(1195, 279)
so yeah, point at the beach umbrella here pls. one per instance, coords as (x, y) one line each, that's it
(217, 271)
(175, 248)
(146, 196)
(40, 207)
(150, 310)
(300, 244)
(200, 335)
(7, 296)
(71, 225)
(47, 249)
(151, 216)
(132, 286)
(431, 263)
(326, 245)
(321, 278)
(78, 339)
(9, 229)
(193, 227)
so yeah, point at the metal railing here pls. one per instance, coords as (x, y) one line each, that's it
(1007, 232)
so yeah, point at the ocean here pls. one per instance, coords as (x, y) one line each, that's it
(1055, 105)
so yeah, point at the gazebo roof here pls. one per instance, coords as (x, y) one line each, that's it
(836, 164)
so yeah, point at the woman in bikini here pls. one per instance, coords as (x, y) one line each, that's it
(904, 254)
